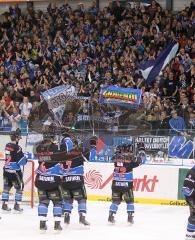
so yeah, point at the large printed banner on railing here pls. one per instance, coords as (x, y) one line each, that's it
(120, 96)
(182, 148)
(159, 149)
(152, 184)
(176, 150)
(156, 148)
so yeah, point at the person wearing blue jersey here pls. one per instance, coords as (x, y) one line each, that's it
(73, 183)
(12, 174)
(189, 193)
(125, 159)
(67, 142)
(48, 180)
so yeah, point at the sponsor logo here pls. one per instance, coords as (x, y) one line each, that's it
(145, 184)
(93, 179)
(178, 203)
(108, 199)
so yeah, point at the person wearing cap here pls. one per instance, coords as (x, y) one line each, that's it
(177, 124)
(12, 174)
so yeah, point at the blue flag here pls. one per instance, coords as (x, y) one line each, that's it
(152, 68)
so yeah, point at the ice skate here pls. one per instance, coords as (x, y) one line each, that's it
(43, 226)
(111, 218)
(67, 218)
(17, 208)
(130, 218)
(57, 227)
(5, 208)
(190, 236)
(82, 220)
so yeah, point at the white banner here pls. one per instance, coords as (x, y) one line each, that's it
(150, 182)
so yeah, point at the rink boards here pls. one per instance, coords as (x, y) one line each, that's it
(153, 184)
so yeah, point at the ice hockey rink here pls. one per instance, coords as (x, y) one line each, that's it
(152, 222)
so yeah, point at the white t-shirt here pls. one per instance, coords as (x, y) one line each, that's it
(15, 121)
(25, 108)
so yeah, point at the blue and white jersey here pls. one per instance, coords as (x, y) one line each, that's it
(74, 171)
(50, 170)
(189, 185)
(127, 177)
(74, 168)
(49, 159)
(123, 168)
(14, 157)
(56, 170)
(67, 144)
(93, 154)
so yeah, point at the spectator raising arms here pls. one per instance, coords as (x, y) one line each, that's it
(14, 118)
(90, 48)
(25, 108)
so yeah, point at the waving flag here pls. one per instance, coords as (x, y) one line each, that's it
(152, 68)
(57, 98)
(120, 96)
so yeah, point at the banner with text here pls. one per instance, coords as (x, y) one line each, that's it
(152, 184)
(156, 148)
(120, 96)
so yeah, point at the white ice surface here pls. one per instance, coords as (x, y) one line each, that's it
(152, 222)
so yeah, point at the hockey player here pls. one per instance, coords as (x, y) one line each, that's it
(189, 193)
(67, 142)
(48, 180)
(122, 184)
(12, 174)
(73, 183)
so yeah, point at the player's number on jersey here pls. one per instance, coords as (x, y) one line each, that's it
(120, 170)
(42, 167)
(68, 164)
(7, 159)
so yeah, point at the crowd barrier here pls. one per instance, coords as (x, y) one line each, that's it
(159, 181)
(152, 184)
(169, 150)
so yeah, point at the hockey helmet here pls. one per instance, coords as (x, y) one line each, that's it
(15, 135)
(93, 141)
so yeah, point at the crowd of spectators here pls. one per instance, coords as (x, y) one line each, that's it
(88, 48)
